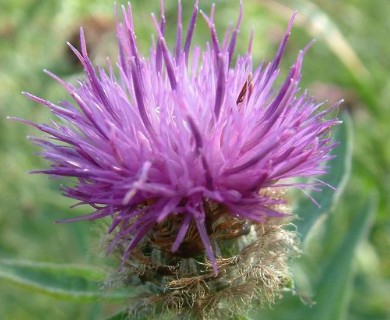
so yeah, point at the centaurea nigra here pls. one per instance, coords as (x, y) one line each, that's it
(189, 152)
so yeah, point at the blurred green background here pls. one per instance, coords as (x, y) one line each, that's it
(349, 60)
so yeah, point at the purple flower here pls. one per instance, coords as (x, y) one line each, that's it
(166, 135)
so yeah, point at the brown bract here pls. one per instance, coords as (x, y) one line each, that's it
(252, 260)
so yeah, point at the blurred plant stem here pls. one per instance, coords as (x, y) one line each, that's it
(318, 24)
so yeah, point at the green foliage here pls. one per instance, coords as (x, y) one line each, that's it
(61, 281)
(345, 267)
(119, 316)
(336, 280)
(336, 179)
(333, 282)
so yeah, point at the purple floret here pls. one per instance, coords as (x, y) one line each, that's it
(182, 127)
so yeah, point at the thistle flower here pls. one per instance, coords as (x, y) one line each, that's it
(189, 153)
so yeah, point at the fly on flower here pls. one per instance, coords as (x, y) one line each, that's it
(189, 155)
(246, 90)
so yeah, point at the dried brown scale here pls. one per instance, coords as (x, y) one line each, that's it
(252, 267)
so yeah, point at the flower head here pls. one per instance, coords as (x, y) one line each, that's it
(185, 147)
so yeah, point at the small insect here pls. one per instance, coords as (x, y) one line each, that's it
(246, 88)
